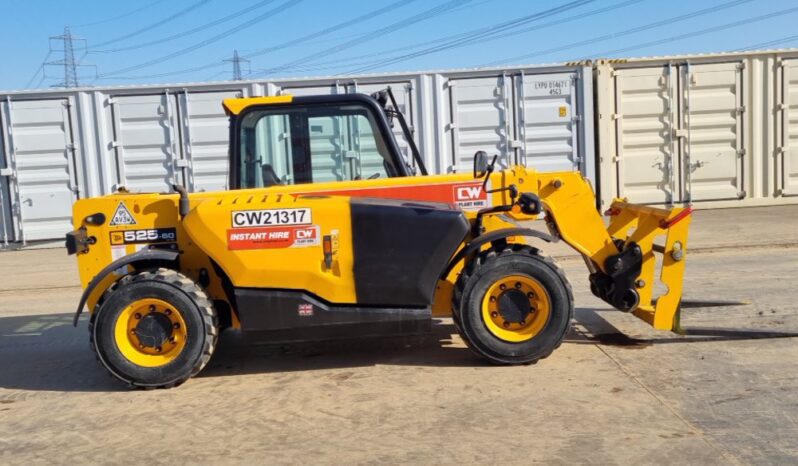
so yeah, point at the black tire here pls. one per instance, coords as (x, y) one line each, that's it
(187, 298)
(489, 267)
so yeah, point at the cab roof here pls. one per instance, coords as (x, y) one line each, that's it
(237, 105)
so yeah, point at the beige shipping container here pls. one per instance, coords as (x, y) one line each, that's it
(717, 130)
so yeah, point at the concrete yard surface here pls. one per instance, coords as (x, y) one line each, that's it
(615, 392)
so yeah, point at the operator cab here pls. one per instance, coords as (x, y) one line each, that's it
(286, 140)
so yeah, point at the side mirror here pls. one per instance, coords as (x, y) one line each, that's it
(480, 164)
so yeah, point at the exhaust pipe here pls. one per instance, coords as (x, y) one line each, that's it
(183, 206)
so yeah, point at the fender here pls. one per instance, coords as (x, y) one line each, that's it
(495, 235)
(143, 257)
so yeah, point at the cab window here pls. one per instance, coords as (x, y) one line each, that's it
(304, 145)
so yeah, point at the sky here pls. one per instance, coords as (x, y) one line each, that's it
(179, 41)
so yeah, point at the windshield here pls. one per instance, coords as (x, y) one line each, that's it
(298, 144)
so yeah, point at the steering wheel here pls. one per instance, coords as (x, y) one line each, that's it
(374, 176)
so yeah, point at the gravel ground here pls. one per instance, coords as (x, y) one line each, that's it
(616, 392)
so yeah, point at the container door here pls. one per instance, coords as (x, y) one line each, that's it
(42, 175)
(403, 92)
(789, 150)
(205, 132)
(480, 118)
(548, 121)
(147, 149)
(328, 145)
(711, 115)
(330, 158)
(337, 153)
(6, 221)
(335, 88)
(644, 125)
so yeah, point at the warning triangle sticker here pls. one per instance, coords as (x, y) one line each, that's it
(122, 216)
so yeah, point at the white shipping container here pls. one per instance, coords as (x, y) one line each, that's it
(145, 143)
(205, 138)
(40, 165)
(787, 95)
(146, 138)
(6, 224)
(709, 130)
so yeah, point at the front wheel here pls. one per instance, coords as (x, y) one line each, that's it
(512, 305)
(154, 329)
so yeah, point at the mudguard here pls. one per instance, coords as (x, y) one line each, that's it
(495, 235)
(143, 257)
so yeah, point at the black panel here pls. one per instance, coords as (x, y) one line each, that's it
(281, 316)
(401, 248)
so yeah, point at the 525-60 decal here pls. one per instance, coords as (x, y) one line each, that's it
(152, 235)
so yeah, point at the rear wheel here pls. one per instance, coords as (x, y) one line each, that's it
(154, 329)
(512, 305)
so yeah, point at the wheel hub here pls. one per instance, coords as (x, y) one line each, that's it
(150, 332)
(514, 306)
(154, 330)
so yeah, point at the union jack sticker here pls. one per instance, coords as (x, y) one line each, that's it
(305, 310)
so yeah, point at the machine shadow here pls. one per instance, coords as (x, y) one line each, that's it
(235, 356)
(601, 331)
(46, 353)
(442, 347)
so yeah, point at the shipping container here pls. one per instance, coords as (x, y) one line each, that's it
(40, 162)
(708, 130)
(6, 224)
(62, 145)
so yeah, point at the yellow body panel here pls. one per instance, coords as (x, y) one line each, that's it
(300, 268)
(202, 236)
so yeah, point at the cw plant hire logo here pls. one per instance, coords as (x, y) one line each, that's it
(470, 196)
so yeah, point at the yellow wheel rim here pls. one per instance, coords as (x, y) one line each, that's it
(141, 349)
(512, 326)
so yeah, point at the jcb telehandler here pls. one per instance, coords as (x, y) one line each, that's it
(326, 232)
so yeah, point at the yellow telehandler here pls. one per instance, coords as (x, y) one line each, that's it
(327, 232)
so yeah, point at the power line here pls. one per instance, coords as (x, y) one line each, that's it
(40, 81)
(376, 34)
(479, 34)
(123, 15)
(702, 32)
(656, 24)
(180, 35)
(325, 31)
(356, 34)
(216, 38)
(215, 75)
(359, 60)
(767, 44)
(366, 16)
(154, 25)
(40, 68)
